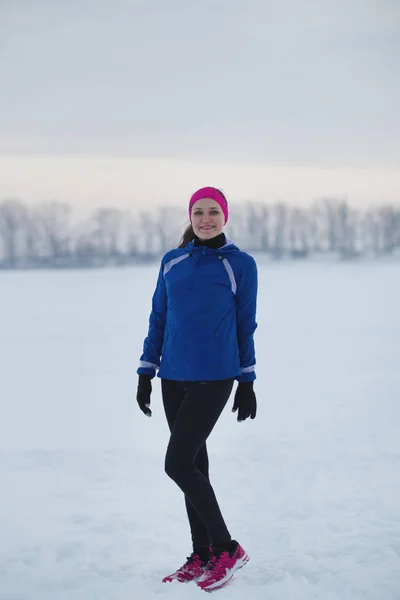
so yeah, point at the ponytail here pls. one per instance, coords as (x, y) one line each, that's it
(187, 237)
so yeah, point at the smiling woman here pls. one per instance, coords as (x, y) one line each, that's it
(208, 213)
(200, 339)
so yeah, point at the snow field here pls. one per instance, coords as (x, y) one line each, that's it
(310, 488)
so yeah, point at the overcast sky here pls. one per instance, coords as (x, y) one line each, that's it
(268, 98)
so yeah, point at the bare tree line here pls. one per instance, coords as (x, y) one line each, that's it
(46, 236)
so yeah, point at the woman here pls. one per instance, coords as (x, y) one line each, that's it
(202, 324)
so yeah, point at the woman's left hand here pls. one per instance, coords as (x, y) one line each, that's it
(245, 401)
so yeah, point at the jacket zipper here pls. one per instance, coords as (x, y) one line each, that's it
(195, 259)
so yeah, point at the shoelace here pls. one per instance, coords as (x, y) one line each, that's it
(215, 563)
(190, 560)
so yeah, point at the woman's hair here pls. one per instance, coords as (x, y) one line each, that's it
(187, 237)
(188, 234)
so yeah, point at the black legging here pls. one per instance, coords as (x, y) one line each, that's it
(192, 409)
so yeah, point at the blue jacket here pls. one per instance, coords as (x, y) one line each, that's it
(203, 316)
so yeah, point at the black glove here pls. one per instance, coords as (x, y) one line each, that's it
(245, 401)
(143, 394)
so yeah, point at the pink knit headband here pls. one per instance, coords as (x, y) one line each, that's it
(213, 194)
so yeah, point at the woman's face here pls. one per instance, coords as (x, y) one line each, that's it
(208, 220)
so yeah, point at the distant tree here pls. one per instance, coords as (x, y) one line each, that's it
(258, 237)
(265, 236)
(388, 218)
(299, 233)
(280, 229)
(381, 230)
(396, 218)
(235, 226)
(53, 220)
(86, 249)
(33, 238)
(147, 228)
(347, 229)
(370, 232)
(131, 236)
(330, 213)
(13, 216)
(107, 231)
(317, 228)
(167, 225)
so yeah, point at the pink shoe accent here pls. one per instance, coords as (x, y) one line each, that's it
(221, 567)
(190, 571)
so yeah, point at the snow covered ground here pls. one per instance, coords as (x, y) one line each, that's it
(311, 488)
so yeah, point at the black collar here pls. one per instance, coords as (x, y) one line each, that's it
(215, 242)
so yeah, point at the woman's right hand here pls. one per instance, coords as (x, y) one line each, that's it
(143, 394)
